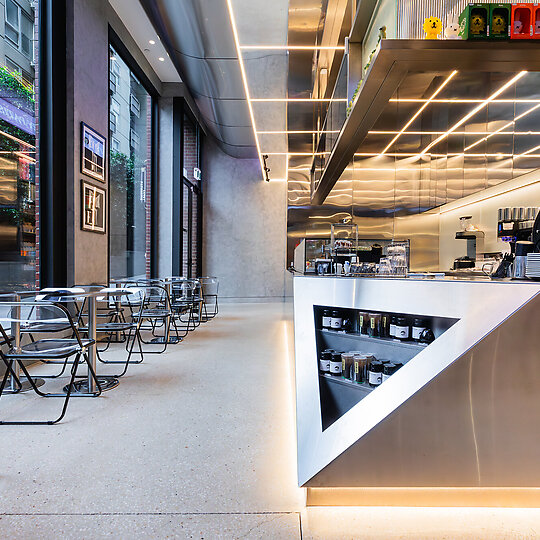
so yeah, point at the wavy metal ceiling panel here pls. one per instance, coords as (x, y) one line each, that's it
(200, 42)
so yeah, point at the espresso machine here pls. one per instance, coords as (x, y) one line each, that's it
(516, 226)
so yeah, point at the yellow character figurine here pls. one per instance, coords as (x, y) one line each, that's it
(432, 27)
(498, 25)
(478, 24)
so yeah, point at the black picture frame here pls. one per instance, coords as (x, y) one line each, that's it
(93, 208)
(93, 153)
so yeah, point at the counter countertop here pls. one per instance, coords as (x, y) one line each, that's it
(449, 279)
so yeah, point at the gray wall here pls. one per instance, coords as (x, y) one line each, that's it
(244, 228)
(88, 90)
(87, 101)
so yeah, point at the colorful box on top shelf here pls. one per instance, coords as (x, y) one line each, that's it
(473, 21)
(522, 21)
(499, 21)
(536, 22)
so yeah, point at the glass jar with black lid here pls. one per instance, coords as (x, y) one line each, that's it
(403, 328)
(335, 364)
(375, 372)
(389, 369)
(326, 318)
(324, 361)
(419, 325)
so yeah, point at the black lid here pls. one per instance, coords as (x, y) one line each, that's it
(376, 367)
(326, 312)
(329, 350)
(401, 321)
(398, 365)
(326, 355)
(336, 357)
(393, 319)
(419, 322)
(389, 368)
(335, 313)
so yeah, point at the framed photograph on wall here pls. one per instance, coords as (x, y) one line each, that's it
(93, 148)
(93, 208)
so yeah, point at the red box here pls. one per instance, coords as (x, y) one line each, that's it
(536, 23)
(522, 21)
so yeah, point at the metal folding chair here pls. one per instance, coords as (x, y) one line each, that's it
(112, 305)
(210, 288)
(34, 314)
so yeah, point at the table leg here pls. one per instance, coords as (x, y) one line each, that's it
(106, 382)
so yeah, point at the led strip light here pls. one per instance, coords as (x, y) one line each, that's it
(420, 110)
(292, 48)
(458, 100)
(244, 81)
(297, 100)
(503, 128)
(481, 106)
(297, 132)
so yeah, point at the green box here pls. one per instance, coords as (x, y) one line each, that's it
(474, 22)
(500, 16)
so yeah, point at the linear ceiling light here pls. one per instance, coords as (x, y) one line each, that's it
(300, 100)
(292, 48)
(457, 100)
(478, 108)
(244, 81)
(529, 152)
(453, 133)
(292, 132)
(503, 128)
(419, 111)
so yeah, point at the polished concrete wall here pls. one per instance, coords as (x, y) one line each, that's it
(165, 187)
(244, 228)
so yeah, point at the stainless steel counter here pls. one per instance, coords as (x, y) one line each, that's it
(462, 413)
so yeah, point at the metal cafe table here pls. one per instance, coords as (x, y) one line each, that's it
(164, 282)
(86, 386)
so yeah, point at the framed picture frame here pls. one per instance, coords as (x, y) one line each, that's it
(93, 153)
(93, 208)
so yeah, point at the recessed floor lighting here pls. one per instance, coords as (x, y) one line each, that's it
(152, 42)
(161, 59)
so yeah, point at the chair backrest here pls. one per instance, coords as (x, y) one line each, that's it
(210, 285)
(185, 289)
(23, 315)
(72, 298)
(154, 296)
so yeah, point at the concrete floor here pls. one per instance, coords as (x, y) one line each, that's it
(196, 443)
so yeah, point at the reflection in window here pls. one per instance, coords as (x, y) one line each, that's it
(130, 121)
(17, 154)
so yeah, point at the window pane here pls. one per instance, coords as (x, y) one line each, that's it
(129, 174)
(18, 183)
(27, 33)
(12, 35)
(12, 14)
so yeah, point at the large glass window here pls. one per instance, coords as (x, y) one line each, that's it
(18, 127)
(129, 173)
(191, 263)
